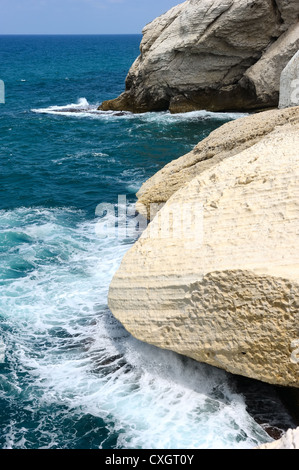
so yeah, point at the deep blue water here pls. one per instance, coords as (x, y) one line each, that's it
(71, 377)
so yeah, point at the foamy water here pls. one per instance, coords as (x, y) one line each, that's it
(67, 357)
(83, 109)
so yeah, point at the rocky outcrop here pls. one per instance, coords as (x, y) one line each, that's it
(289, 84)
(212, 54)
(230, 139)
(266, 73)
(216, 274)
(289, 441)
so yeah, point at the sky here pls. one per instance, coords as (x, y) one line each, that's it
(79, 16)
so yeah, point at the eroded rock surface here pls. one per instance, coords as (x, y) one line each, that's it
(230, 139)
(216, 274)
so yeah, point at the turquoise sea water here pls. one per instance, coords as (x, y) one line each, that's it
(70, 376)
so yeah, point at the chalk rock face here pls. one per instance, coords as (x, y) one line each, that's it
(216, 274)
(289, 86)
(289, 441)
(266, 73)
(230, 139)
(205, 54)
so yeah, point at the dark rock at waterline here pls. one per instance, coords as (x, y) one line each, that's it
(87, 110)
(270, 406)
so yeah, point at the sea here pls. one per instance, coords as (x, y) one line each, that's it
(71, 377)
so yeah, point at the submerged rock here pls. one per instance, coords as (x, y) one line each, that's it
(212, 54)
(289, 441)
(216, 274)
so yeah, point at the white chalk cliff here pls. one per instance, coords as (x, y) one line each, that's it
(228, 140)
(289, 84)
(216, 274)
(212, 54)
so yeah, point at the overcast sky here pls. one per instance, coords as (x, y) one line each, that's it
(79, 16)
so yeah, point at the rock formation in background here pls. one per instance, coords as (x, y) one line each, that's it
(289, 84)
(216, 274)
(214, 55)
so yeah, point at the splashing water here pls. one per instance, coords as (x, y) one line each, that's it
(68, 358)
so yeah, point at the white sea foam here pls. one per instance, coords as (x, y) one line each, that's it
(193, 115)
(59, 332)
(2, 351)
(82, 104)
(84, 109)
